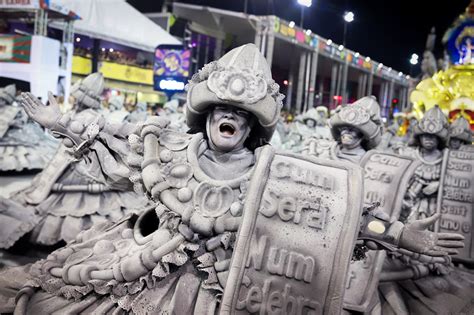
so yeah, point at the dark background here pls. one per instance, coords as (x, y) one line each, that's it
(388, 31)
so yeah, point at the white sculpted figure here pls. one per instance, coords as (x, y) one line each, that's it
(117, 113)
(73, 193)
(139, 114)
(430, 138)
(460, 133)
(23, 144)
(356, 129)
(217, 194)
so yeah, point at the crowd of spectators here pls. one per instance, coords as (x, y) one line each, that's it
(116, 56)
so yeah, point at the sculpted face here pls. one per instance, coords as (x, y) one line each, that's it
(429, 142)
(350, 137)
(310, 123)
(228, 128)
(455, 144)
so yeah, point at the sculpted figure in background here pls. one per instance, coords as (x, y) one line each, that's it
(413, 284)
(186, 256)
(429, 65)
(430, 138)
(73, 193)
(322, 116)
(117, 112)
(174, 113)
(139, 114)
(357, 130)
(351, 139)
(280, 137)
(460, 133)
(307, 126)
(398, 131)
(23, 144)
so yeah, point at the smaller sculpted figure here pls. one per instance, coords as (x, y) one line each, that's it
(139, 114)
(396, 134)
(460, 133)
(213, 237)
(280, 137)
(430, 138)
(413, 284)
(322, 116)
(309, 125)
(174, 113)
(23, 144)
(71, 193)
(356, 129)
(429, 65)
(322, 128)
(117, 112)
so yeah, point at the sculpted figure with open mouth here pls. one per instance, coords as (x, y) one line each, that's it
(229, 128)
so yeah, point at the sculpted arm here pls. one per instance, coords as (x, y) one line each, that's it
(414, 237)
(90, 134)
(61, 125)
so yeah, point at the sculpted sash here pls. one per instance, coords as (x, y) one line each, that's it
(457, 199)
(301, 219)
(385, 180)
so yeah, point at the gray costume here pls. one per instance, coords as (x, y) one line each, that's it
(23, 143)
(185, 255)
(71, 193)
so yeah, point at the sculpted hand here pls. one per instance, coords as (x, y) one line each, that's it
(416, 238)
(431, 188)
(46, 116)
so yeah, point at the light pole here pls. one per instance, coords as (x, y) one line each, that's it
(413, 62)
(348, 18)
(303, 4)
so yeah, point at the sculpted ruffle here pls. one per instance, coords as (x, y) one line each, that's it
(108, 261)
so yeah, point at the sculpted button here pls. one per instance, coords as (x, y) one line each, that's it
(77, 127)
(376, 227)
(236, 209)
(166, 155)
(185, 194)
(127, 233)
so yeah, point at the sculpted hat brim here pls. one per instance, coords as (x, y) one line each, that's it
(442, 134)
(370, 131)
(200, 100)
(464, 136)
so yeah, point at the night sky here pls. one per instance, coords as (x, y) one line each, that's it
(388, 31)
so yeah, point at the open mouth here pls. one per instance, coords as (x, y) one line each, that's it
(227, 129)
